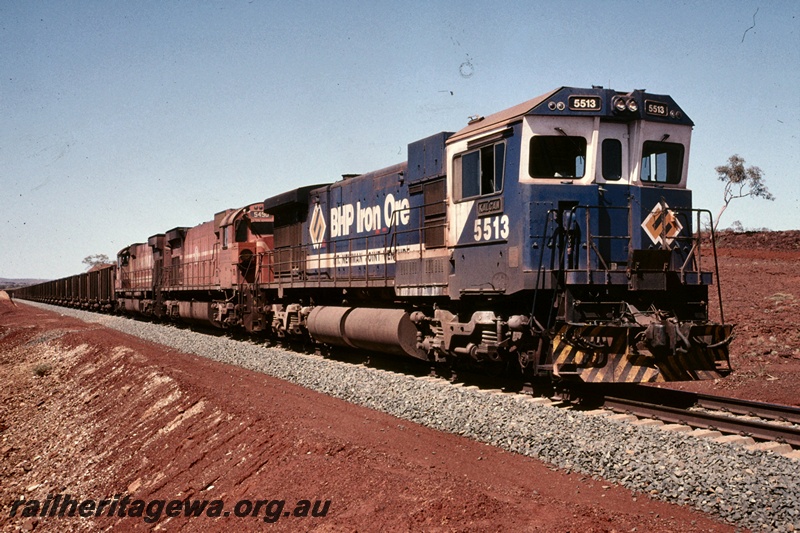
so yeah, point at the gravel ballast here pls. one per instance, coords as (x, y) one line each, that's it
(754, 489)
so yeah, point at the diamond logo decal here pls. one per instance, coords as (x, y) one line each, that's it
(317, 227)
(661, 225)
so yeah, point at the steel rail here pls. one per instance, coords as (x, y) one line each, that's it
(770, 411)
(685, 399)
(753, 428)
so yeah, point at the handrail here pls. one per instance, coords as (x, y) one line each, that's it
(675, 246)
(716, 263)
(190, 275)
(588, 240)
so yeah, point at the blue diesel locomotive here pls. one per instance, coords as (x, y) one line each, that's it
(558, 233)
(557, 236)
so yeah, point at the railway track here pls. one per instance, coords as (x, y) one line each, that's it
(763, 422)
(758, 420)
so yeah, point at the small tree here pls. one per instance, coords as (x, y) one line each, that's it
(93, 260)
(740, 182)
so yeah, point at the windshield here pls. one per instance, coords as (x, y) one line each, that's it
(261, 228)
(557, 156)
(662, 162)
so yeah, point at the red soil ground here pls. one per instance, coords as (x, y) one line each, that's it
(760, 281)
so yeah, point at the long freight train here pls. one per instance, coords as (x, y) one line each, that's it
(557, 235)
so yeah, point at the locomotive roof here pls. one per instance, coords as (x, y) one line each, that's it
(291, 199)
(225, 218)
(507, 116)
(603, 97)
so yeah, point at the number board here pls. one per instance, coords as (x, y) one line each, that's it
(658, 109)
(585, 103)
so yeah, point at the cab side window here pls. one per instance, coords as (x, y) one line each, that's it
(662, 162)
(480, 172)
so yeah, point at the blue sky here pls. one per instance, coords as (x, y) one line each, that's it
(119, 120)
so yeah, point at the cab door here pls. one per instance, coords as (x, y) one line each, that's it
(613, 165)
(613, 177)
(480, 226)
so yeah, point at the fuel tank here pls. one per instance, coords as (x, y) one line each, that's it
(382, 330)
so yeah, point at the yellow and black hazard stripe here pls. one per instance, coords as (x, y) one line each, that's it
(601, 354)
(716, 338)
(707, 358)
(605, 354)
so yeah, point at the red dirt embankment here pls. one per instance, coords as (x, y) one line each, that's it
(760, 281)
(92, 413)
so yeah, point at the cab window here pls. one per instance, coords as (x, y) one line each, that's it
(480, 172)
(261, 228)
(612, 159)
(241, 231)
(557, 156)
(225, 237)
(662, 162)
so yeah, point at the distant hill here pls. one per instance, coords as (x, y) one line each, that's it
(10, 283)
(787, 241)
